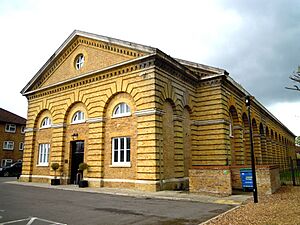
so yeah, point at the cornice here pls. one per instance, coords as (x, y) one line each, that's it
(95, 120)
(148, 112)
(209, 122)
(180, 72)
(58, 125)
(140, 64)
(29, 130)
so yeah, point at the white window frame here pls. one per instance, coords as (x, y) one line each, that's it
(79, 61)
(117, 152)
(8, 145)
(46, 123)
(5, 161)
(43, 154)
(10, 128)
(78, 117)
(121, 110)
(22, 129)
(21, 146)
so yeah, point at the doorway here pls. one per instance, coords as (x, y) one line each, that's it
(77, 149)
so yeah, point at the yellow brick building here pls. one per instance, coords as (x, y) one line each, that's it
(139, 118)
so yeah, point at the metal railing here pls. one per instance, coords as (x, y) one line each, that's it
(291, 176)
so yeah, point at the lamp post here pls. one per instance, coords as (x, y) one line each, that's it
(248, 104)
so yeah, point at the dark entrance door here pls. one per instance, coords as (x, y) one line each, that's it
(77, 158)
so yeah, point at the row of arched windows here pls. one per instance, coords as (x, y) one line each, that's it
(121, 110)
(269, 146)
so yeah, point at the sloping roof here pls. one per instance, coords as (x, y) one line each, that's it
(9, 117)
(144, 48)
(75, 34)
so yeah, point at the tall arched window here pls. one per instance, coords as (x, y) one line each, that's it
(46, 122)
(78, 117)
(122, 109)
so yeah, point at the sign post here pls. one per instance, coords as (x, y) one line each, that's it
(248, 104)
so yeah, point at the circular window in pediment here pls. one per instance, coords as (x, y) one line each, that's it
(79, 61)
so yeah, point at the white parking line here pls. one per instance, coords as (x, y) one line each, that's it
(14, 221)
(33, 219)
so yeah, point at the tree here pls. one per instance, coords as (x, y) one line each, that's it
(295, 77)
(297, 141)
(54, 166)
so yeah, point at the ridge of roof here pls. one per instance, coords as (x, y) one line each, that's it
(9, 117)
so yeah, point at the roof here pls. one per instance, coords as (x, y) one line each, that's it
(183, 64)
(9, 117)
(77, 33)
(243, 90)
(150, 51)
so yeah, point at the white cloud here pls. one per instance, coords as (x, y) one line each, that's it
(210, 32)
(289, 114)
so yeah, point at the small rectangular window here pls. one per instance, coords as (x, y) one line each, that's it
(8, 145)
(21, 146)
(6, 162)
(121, 151)
(10, 128)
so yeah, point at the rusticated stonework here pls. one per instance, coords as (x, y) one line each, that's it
(180, 115)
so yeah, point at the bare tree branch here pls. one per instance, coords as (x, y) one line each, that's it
(295, 77)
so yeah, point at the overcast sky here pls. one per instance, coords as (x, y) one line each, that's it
(256, 41)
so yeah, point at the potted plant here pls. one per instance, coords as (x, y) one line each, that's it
(82, 167)
(55, 181)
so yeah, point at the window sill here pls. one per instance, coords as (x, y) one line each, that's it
(121, 115)
(6, 149)
(120, 165)
(42, 165)
(78, 122)
(46, 127)
(7, 131)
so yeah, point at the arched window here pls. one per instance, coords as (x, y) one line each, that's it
(78, 117)
(122, 109)
(46, 122)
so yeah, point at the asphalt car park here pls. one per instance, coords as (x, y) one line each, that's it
(35, 205)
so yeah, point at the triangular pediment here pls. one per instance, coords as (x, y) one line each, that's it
(98, 52)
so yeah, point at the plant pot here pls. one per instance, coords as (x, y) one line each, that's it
(55, 181)
(83, 183)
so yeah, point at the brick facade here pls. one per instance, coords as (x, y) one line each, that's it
(180, 116)
(8, 156)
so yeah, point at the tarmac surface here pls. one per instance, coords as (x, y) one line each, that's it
(235, 199)
(41, 203)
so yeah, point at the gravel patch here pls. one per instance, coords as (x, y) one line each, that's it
(283, 207)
